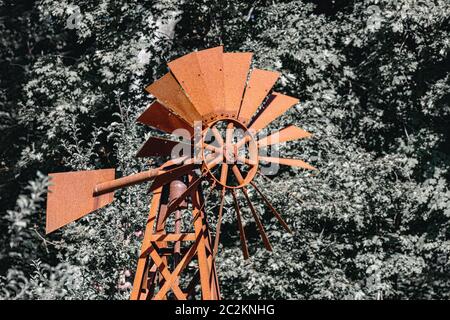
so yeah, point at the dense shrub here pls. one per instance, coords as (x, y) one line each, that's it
(373, 80)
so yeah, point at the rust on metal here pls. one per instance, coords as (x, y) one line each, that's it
(70, 196)
(235, 67)
(289, 133)
(272, 208)
(277, 105)
(177, 200)
(170, 94)
(219, 223)
(113, 185)
(258, 86)
(190, 74)
(161, 118)
(159, 147)
(177, 189)
(229, 152)
(261, 230)
(242, 237)
(166, 177)
(211, 65)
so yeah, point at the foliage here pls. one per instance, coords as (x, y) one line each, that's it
(373, 80)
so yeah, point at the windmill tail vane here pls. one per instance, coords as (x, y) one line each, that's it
(218, 106)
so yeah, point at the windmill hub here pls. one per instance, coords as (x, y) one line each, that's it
(230, 154)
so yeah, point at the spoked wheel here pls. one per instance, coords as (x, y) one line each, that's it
(230, 153)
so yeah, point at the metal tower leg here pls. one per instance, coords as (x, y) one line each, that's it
(160, 266)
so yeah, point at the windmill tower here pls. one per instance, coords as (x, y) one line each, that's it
(218, 106)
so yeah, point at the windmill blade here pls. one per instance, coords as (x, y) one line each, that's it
(161, 118)
(272, 209)
(159, 147)
(167, 90)
(258, 86)
(200, 74)
(235, 67)
(240, 226)
(288, 162)
(168, 176)
(276, 105)
(71, 196)
(286, 134)
(211, 65)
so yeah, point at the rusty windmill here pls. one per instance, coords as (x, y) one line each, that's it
(215, 95)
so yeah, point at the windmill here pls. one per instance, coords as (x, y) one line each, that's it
(219, 106)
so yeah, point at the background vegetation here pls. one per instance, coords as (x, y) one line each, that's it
(373, 80)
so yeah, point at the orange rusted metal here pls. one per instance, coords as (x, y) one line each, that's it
(170, 94)
(276, 105)
(195, 77)
(264, 237)
(236, 66)
(258, 86)
(289, 133)
(113, 185)
(147, 282)
(71, 196)
(159, 147)
(211, 65)
(230, 153)
(159, 117)
(209, 86)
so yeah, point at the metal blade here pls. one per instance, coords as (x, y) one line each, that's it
(289, 162)
(159, 147)
(276, 105)
(200, 74)
(159, 117)
(240, 226)
(211, 64)
(235, 67)
(71, 196)
(169, 93)
(258, 86)
(272, 209)
(287, 134)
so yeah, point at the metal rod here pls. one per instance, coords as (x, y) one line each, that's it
(110, 186)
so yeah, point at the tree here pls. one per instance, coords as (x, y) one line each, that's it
(373, 81)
